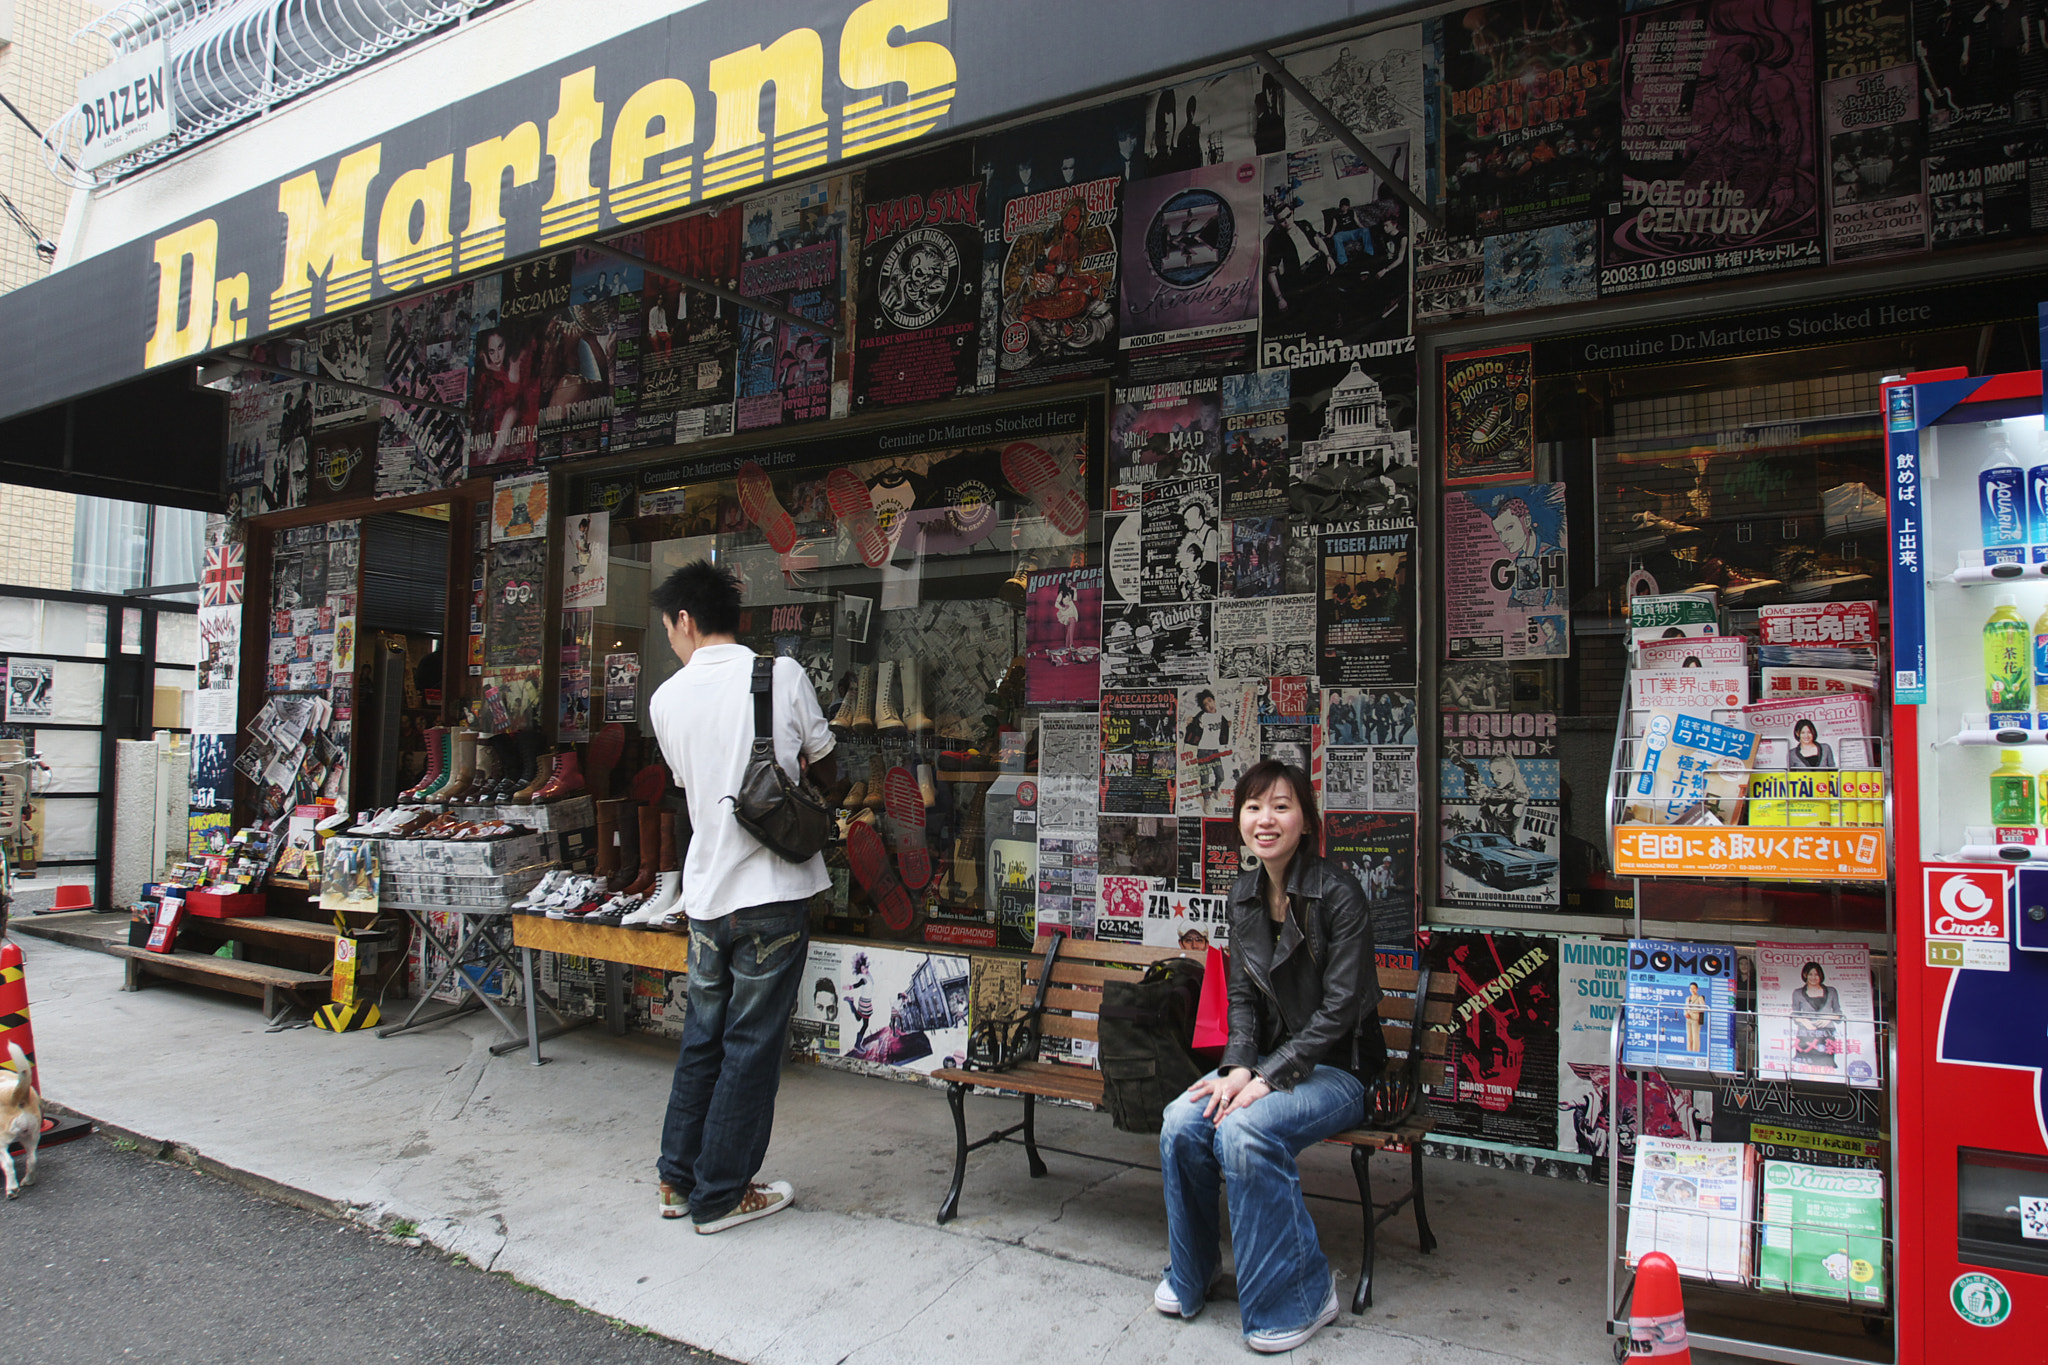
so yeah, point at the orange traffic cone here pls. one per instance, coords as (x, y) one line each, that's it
(1656, 1315)
(14, 1027)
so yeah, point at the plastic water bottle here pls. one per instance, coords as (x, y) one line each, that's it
(2037, 499)
(2002, 503)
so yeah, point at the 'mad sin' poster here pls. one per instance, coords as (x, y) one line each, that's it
(1719, 174)
(920, 282)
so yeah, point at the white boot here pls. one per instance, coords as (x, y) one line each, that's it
(926, 787)
(888, 716)
(659, 902)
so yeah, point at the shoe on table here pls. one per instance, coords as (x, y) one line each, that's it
(758, 1202)
(673, 1202)
(1273, 1343)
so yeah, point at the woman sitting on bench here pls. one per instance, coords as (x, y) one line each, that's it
(1305, 1047)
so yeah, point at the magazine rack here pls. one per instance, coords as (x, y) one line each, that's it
(1746, 1313)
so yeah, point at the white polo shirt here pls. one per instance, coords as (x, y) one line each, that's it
(703, 718)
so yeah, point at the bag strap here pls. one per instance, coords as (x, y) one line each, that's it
(764, 699)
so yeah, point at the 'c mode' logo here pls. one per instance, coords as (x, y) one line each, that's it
(1966, 904)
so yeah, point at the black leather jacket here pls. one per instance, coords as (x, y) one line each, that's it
(1308, 994)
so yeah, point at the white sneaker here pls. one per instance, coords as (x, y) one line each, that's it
(759, 1201)
(1273, 1343)
(667, 892)
(1168, 1302)
(537, 898)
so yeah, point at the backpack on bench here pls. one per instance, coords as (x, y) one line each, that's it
(1146, 1031)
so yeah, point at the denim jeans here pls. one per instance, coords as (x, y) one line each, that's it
(1283, 1279)
(744, 970)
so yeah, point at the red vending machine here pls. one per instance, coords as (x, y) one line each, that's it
(1969, 511)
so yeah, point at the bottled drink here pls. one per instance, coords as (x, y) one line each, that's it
(2012, 793)
(2041, 670)
(2002, 502)
(2037, 498)
(2008, 666)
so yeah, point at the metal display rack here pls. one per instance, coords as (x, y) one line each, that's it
(1742, 1317)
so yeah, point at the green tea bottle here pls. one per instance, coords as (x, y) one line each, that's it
(2012, 793)
(2009, 666)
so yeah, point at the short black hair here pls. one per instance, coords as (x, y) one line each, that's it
(708, 594)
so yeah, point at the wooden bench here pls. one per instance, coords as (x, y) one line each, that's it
(274, 986)
(1417, 1025)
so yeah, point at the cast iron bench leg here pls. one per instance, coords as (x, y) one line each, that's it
(956, 1096)
(1422, 1232)
(1031, 1136)
(1361, 1166)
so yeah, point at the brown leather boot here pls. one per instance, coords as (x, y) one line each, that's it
(607, 864)
(626, 829)
(650, 851)
(670, 858)
(567, 781)
(543, 773)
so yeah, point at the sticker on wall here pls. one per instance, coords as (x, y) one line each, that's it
(31, 690)
(1979, 1299)
(519, 508)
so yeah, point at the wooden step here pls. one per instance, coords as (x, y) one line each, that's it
(295, 933)
(272, 985)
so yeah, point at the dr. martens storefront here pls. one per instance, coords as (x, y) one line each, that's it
(1433, 402)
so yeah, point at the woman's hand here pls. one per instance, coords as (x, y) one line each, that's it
(1227, 1093)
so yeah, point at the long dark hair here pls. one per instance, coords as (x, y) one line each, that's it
(1261, 778)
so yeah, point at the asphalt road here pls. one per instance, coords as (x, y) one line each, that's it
(113, 1256)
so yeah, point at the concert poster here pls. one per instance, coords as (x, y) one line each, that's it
(1373, 83)
(513, 363)
(1531, 115)
(1378, 850)
(1489, 415)
(1498, 812)
(1182, 541)
(1063, 636)
(1052, 241)
(792, 254)
(350, 348)
(1985, 76)
(689, 341)
(1502, 1082)
(1450, 276)
(1545, 267)
(426, 355)
(1161, 431)
(590, 355)
(1720, 175)
(1336, 254)
(1138, 750)
(1367, 609)
(1876, 137)
(1255, 443)
(1190, 298)
(919, 278)
(515, 597)
(1205, 120)
(1353, 425)
(1506, 594)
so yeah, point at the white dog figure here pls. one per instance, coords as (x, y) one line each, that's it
(21, 1120)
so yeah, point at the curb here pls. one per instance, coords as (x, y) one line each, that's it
(183, 1154)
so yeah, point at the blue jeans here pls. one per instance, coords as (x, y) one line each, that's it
(1283, 1279)
(744, 970)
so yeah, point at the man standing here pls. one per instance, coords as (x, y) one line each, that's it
(748, 907)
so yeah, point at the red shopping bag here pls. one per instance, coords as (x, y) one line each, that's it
(1212, 1016)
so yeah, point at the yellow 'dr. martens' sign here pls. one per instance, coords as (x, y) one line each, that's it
(603, 140)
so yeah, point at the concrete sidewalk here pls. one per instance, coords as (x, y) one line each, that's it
(548, 1174)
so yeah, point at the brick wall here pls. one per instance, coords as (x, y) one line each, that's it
(35, 536)
(39, 71)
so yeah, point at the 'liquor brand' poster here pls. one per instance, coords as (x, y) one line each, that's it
(1504, 567)
(1498, 812)
(1502, 1086)
(1489, 418)
(1531, 115)
(1719, 175)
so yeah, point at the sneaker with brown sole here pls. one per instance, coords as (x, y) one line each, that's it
(674, 1204)
(759, 1201)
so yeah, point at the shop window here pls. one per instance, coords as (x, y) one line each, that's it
(942, 588)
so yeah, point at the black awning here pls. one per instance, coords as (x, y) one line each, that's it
(156, 439)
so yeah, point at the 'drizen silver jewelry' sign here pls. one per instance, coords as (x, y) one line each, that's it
(123, 107)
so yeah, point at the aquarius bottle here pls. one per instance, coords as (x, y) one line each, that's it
(2002, 502)
(2008, 666)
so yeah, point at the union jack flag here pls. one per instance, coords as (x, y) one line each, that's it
(221, 584)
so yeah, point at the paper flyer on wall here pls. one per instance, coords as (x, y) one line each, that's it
(1368, 608)
(1255, 462)
(792, 255)
(1335, 252)
(1493, 139)
(1259, 637)
(586, 559)
(1179, 919)
(1158, 645)
(689, 339)
(1692, 1201)
(1505, 590)
(1382, 779)
(1502, 1081)
(1681, 1002)
(1162, 431)
(1069, 771)
(919, 278)
(621, 688)
(1498, 815)
(1489, 414)
(1181, 540)
(1373, 83)
(519, 508)
(1815, 1013)
(1719, 173)
(1051, 241)
(1120, 904)
(1378, 850)
(427, 354)
(505, 384)
(1067, 882)
(1370, 715)
(1190, 300)
(1218, 728)
(1138, 750)
(1063, 636)
(903, 1008)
